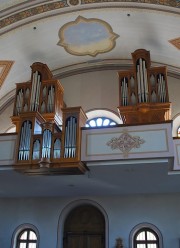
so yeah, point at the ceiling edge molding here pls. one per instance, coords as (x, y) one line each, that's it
(101, 65)
(20, 6)
(19, 19)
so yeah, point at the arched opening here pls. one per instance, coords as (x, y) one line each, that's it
(145, 238)
(25, 236)
(102, 118)
(84, 226)
(145, 235)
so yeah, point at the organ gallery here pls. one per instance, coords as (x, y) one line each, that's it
(49, 133)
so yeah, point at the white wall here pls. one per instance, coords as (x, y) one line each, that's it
(5, 120)
(92, 90)
(123, 212)
(174, 94)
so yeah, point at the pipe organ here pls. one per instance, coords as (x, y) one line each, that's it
(49, 133)
(143, 92)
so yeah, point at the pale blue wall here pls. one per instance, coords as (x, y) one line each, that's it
(123, 212)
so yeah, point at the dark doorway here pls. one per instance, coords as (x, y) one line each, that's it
(84, 228)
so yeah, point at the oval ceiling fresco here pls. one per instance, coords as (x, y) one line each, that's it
(87, 37)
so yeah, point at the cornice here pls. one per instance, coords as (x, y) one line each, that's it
(109, 64)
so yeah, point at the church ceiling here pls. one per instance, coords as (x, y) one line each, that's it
(45, 31)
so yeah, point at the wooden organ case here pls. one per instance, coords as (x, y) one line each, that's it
(49, 134)
(143, 92)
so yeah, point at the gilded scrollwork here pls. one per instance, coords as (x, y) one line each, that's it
(125, 143)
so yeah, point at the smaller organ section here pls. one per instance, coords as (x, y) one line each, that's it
(143, 92)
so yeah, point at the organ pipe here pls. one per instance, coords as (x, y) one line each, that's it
(25, 139)
(50, 104)
(142, 82)
(19, 101)
(124, 92)
(57, 148)
(46, 145)
(70, 138)
(36, 149)
(161, 88)
(35, 91)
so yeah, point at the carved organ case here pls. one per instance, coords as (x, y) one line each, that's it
(143, 92)
(48, 133)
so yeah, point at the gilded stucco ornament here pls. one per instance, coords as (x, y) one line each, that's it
(87, 37)
(125, 142)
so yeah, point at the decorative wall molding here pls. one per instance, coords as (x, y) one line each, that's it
(5, 67)
(44, 8)
(32, 12)
(175, 42)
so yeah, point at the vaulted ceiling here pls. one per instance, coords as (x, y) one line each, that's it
(72, 36)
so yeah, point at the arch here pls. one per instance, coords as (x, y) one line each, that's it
(19, 229)
(176, 125)
(149, 226)
(11, 129)
(68, 208)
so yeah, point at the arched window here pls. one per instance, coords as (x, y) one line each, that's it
(100, 122)
(145, 235)
(102, 118)
(27, 239)
(146, 238)
(178, 132)
(25, 236)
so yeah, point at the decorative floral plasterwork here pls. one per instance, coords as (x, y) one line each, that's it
(125, 142)
(87, 37)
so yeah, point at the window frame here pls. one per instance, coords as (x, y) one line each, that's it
(178, 132)
(95, 119)
(19, 230)
(145, 226)
(27, 241)
(146, 241)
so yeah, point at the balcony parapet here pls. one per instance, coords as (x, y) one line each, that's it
(127, 143)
